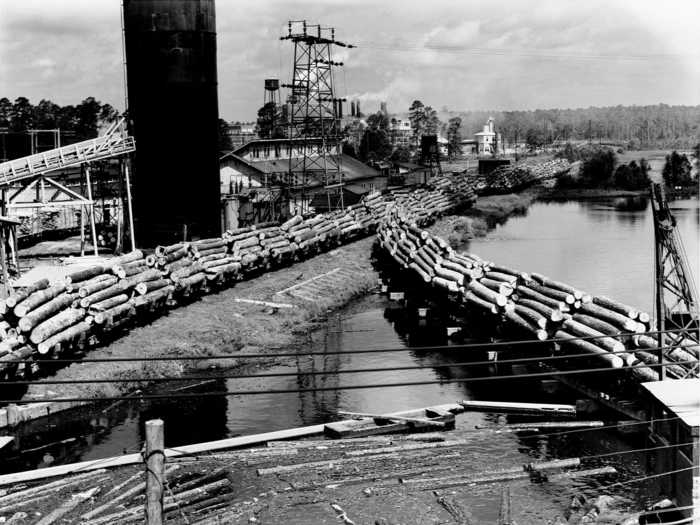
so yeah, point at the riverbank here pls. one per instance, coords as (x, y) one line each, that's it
(223, 323)
(486, 213)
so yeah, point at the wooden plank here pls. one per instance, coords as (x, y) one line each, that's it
(265, 303)
(137, 458)
(197, 448)
(524, 408)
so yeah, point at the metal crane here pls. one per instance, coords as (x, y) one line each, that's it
(676, 298)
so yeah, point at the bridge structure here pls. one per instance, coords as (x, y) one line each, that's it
(40, 180)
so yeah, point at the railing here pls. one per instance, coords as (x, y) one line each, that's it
(108, 145)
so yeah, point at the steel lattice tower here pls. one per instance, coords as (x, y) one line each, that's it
(676, 294)
(314, 112)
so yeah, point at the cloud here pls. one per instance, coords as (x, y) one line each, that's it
(508, 54)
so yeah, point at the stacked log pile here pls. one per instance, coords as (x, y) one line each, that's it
(514, 177)
(46, 319)
(533, 303)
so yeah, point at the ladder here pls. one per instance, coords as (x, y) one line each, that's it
(113, 143)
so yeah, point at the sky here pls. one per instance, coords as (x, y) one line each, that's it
(458, 54)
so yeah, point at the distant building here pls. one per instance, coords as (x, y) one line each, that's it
(241, 133)
(486, 139)
(400, 133)
(265, 163)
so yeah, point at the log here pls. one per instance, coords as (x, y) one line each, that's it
(553, 293)
(154, 297)
(487, 294)
(616, 306)
(614, 361)
(134, 268)
(516, 319)
(96, 286)
(164, 251)
(84, 275)
(55, 324)
(544, 281)
(471, 298)
(529, 293)
(46, 310)
(149, 286)
(64, 336)
(127, 258)
(610, 344)
(38, 298)
(97, 297)
(610, 316)
(596, 324)
(21, 295)
(108, 303)
(531, 315)
(121, 312)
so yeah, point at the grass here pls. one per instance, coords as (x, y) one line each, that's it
(217, 324)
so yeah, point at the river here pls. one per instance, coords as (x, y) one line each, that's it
(603, 246)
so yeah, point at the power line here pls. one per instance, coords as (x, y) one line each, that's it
(467, 346)
(523, 53)
(464, 364)
(230, 393)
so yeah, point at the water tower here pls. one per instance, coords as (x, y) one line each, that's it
(173, 114)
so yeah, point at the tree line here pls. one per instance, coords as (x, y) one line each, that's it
(634, 127)
(600, 169)
(76, 122)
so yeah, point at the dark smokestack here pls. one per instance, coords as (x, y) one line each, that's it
(173, 110)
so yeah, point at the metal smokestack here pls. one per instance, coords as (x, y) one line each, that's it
(173, 112)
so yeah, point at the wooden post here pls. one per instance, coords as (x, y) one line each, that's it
(82, 230)
(5, 273)
(155, 476)
(92, 209)
(129, 207)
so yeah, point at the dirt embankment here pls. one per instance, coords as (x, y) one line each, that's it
(220, 324)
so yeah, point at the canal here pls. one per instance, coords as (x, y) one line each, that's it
(603, 246)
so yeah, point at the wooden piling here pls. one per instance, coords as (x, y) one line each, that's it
(155, 477)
